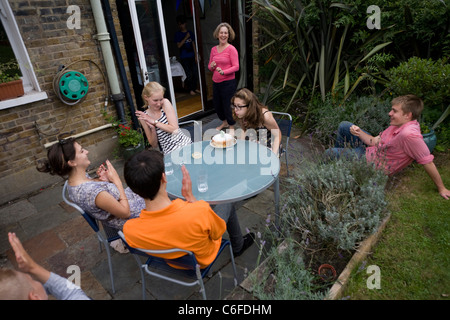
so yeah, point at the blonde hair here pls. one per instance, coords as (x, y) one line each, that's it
(151, 88)
(231, 33)
(13, 285)
(410, 103)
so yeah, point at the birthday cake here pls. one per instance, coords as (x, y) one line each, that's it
(222, 140)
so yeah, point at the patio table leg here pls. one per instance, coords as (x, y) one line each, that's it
(276, 187)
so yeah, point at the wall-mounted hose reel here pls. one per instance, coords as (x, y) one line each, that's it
(73, 85)
(70, 86)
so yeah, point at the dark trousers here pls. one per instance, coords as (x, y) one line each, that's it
(222, 94)
(190, 68)
(227, 212)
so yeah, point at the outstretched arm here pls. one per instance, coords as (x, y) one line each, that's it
(432, 171)
(25, 262)
(365, 137)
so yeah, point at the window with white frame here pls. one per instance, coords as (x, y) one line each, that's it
(30, 84)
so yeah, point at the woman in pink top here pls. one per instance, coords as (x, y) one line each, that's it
(396, 147)
(224, 62)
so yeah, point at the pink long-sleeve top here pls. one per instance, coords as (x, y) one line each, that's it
(399, 146)
(227, 60)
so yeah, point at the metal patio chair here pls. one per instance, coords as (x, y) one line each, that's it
(104, 237)
(185, 266)
(194, 129)
(284, 121)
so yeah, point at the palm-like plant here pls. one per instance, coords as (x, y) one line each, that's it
(308, 43)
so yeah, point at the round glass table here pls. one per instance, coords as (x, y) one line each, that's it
(232, 174)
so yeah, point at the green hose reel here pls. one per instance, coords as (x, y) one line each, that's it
(73, 85)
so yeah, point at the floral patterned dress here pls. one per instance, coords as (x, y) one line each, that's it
(84, 195)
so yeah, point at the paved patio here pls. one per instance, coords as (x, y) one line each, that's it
(57, 237)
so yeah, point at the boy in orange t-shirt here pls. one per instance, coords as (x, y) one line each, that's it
(164, 224)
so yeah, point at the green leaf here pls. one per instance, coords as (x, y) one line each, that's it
(322, 72)
(375, 50)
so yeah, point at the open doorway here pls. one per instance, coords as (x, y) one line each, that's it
(185, 63)
(153, 54)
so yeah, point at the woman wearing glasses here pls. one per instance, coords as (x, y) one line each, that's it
(104, 198)
(224, 62)
(255, 119)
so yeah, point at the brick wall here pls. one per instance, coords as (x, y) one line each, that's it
(24, 130)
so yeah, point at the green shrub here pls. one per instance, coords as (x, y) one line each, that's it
(369, 113)
(425, 78)
(443, 137)
(335, 204)
(287, 277)
(9, 71)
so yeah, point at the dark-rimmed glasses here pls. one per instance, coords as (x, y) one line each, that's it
(233, 106)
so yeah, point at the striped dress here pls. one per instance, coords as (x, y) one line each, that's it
(168, 141)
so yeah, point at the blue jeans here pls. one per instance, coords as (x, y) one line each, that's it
(346, 144)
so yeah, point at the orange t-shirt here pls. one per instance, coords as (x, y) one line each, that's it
(189, 226)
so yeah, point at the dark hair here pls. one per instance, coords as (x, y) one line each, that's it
(253, 118)
(181, 19)
(143, 172)
(57, 158)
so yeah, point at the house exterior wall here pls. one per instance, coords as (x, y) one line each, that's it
(25, 129)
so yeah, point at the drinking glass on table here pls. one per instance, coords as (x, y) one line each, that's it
(202, 181)
(168, 167)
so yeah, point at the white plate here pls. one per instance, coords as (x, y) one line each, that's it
(211, 144)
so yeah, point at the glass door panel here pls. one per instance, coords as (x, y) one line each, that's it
(149, 33)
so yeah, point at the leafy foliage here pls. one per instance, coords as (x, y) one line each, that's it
(9, 71)
(308, 43)
(335, 204)
(369, 113)
(417, 28)
(288, 278)
(127, 136)
(425, 78)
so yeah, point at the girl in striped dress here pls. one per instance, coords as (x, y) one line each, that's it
(159, 120)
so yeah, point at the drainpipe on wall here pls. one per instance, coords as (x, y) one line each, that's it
(116, 49)
(103, 37)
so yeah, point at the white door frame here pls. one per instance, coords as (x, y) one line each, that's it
(140, 48)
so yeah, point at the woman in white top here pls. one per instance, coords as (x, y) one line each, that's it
(159, 120)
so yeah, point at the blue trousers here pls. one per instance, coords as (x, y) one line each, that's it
(346, 144)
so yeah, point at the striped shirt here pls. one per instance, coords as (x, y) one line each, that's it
(170, 141)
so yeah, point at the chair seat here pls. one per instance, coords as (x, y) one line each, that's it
(167, 268)
(182, 266)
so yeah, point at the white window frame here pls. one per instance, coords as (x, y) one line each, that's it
(30, 84)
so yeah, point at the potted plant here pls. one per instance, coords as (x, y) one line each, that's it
(428, 136)
(10, 82)
(130, 140)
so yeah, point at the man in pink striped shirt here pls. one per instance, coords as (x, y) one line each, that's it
(397, 146)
